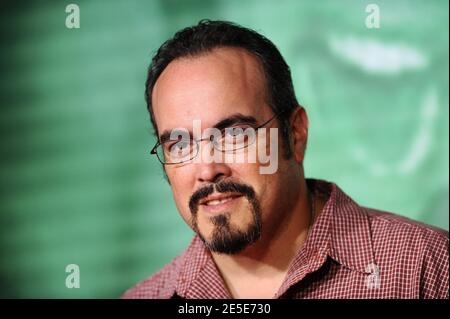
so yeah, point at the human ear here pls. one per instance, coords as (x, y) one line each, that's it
(299, 124)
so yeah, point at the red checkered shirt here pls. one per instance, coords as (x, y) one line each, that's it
(351, 252)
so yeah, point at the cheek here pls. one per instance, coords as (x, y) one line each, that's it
(249, 174)
(266, 186)
(182, 190)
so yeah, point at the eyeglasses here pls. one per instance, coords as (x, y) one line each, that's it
(231, 139)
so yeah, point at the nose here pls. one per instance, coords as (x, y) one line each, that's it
(212, 172)
(209, 171)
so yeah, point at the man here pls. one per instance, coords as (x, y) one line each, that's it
(266, 235)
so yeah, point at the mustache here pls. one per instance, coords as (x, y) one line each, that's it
(220, 187)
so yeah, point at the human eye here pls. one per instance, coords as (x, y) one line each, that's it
(179, 148)
(236, 136)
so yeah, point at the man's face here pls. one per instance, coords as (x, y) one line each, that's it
(227, 204)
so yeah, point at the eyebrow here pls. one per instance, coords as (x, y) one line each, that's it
(165, 136)
(229, 121)
(236, 118)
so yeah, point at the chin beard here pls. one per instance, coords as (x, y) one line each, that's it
(226, 239)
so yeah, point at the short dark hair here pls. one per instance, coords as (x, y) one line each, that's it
(208, 35)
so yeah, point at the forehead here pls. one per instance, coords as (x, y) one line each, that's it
(209, 87)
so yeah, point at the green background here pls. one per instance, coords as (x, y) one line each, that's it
(78, 185)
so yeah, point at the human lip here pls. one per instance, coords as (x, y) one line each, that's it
(219, 202)
(217, 199)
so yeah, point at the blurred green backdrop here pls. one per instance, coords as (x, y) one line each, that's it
(78, 185)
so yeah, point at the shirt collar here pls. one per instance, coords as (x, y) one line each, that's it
(351, 236)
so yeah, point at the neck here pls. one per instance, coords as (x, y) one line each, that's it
(271, 256)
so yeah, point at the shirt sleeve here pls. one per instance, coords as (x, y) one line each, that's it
(434, 275)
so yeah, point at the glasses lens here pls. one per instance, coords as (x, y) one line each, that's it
(179, 151)
(235, 138)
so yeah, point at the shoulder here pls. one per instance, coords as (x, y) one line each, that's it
(160, 285)
(164, 283)
(413, 249)
(394, 229)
